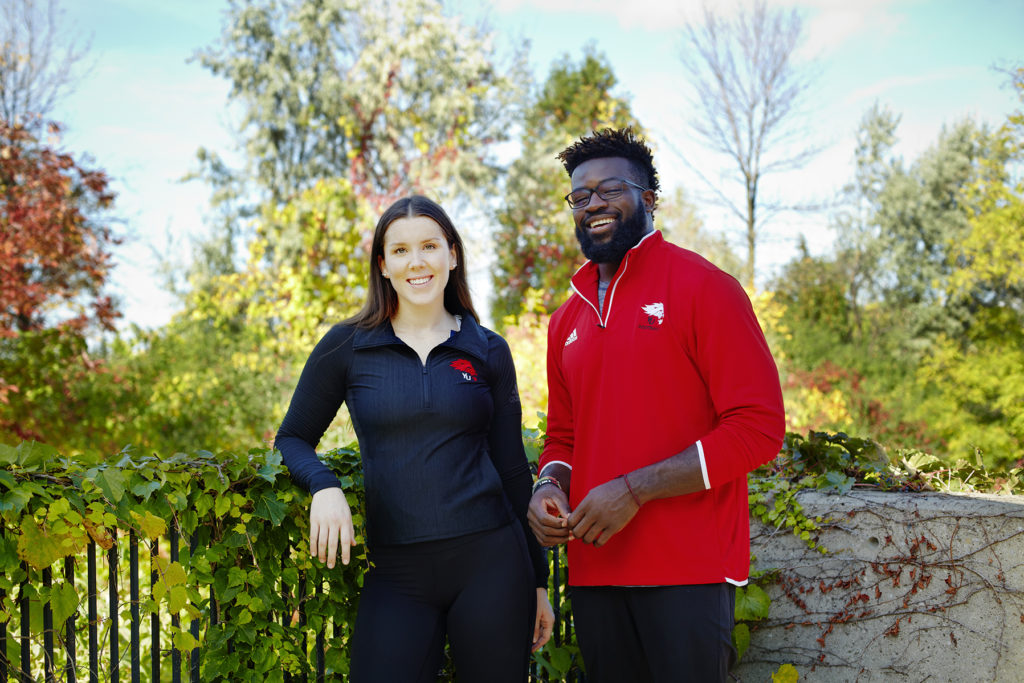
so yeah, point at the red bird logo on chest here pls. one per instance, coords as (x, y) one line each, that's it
(466, 368)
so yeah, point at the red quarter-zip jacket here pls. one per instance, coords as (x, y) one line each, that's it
(677, 357)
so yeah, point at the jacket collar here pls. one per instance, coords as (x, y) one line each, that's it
(469, 339)
(586, 276)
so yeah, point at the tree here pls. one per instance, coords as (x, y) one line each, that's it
(54, 257)
(972, 382)
(988, 260)
(393, 96)
(537, 249)
(219, 375)
(749, 92)
(679, 220)
(34, 71)
(858, 234)
(54, 261)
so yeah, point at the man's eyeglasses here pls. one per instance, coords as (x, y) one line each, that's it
(608, 189)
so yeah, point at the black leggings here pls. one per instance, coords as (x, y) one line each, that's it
(478, 590)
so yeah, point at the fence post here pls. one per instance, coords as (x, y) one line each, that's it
(133, 579)
(47, 628)
(302, 622)
(321, 666)
(69, 625)
(3, 642)
(193, 545)
(94, 616)
(26, 650)
(115, 650)
(154, 620)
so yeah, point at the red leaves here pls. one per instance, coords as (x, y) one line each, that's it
(54, 258)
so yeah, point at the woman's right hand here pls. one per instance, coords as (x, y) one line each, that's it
(330, 520)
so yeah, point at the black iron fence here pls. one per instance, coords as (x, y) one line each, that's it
(94, 644)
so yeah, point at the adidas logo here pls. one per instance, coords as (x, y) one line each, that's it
(572, 337)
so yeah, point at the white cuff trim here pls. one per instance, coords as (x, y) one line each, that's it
(554, 462)
(703, 465)
(735, 582)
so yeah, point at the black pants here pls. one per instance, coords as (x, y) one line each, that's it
(478, 590)
(655, 634)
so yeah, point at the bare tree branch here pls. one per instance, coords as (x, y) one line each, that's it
(748, 93)
(37, 66)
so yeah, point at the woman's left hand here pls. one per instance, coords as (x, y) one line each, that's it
(544, 622)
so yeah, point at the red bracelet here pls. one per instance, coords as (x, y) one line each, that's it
(625, 478)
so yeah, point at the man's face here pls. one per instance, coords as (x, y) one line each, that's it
(607, 229)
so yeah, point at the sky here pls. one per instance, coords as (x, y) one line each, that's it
(145, 106)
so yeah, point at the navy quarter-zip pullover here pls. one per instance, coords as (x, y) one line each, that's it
(441, 441)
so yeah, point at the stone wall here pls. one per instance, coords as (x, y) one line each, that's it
(914, 587)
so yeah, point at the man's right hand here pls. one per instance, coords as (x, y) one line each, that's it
(548, 515)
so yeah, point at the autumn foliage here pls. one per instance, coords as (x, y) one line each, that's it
(54, 260)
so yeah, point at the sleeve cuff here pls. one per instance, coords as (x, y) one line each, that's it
(554, 462)
(703, 465)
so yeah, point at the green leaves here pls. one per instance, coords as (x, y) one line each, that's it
(740, 639)
(63, 601)
(752, 603)
(111, 482)
(271, 509)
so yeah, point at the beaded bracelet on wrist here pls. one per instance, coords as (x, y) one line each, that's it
(545, 480)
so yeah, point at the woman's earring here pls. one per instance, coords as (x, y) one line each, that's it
(385, 275)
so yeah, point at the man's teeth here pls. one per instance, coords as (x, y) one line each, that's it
(600, 222)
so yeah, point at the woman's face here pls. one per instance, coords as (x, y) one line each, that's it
(417, 259)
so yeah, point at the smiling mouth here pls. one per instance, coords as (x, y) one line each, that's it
(599, 223)
(419, 280)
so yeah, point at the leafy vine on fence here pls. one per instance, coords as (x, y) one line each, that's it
(258, 596)
(249, 570)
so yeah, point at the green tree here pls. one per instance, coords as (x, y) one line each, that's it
(220, 373)
(857, 232)
(345, 106)
(394, 96)
(535, 238)
(972, 383)
(988, 259)
(897, 230)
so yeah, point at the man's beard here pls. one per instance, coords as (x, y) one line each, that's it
(626, 235)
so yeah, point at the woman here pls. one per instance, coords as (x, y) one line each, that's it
(433, 399)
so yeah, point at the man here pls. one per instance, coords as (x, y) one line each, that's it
(663, 395)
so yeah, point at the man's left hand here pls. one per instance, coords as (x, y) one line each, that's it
(604, 511)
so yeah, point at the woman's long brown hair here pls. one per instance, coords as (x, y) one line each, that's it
(381, 299)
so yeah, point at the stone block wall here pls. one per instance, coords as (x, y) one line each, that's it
(914, 587)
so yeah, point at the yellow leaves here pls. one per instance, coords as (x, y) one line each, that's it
(42, 545)
(149, 524)
(171, 585)
(811, 408)
(420, 142)
(37, 546)
(787, 673)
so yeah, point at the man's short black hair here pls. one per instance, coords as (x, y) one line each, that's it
(612, 142)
